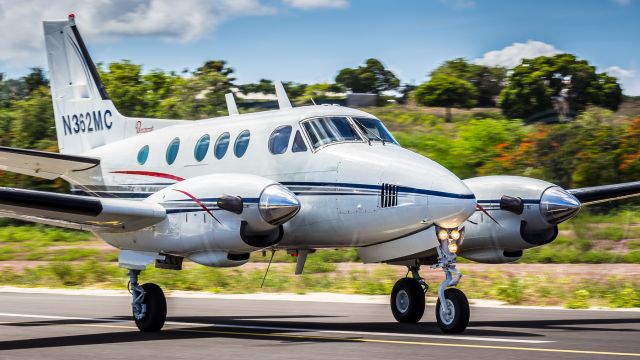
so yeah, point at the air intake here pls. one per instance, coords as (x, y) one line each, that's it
(388, 195)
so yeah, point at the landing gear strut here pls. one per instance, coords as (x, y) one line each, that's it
(148, 304)
(452, 309)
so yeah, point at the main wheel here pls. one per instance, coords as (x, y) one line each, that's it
(156, 309)
(407, 300)
(456, 319)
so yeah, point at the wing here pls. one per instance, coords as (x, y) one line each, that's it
(596, 194)
(43, 164)
(79, 212)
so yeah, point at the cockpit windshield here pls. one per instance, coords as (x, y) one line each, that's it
(374, 130)
(327, 130)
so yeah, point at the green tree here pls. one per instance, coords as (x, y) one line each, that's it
(294, 90)
(373, 78)
(158, 86)
(35, 80)
(202, 95)
(533, 84)
(447, 91)
(630, 151)
(318, 92)
(32, 121)
(160, 94)
(123, 81)
(487, 80)
(263, 86)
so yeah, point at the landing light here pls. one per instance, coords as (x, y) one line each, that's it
(453, 247)
(455, 234)
(443, 235)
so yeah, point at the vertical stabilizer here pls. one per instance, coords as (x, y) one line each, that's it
(85, 117)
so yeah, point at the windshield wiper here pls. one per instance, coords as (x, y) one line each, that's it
(368, 132)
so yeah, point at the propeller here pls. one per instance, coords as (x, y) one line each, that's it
(557, 205)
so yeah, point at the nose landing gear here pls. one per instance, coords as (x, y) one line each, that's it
(452, 308)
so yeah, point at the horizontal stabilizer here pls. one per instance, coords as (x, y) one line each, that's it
(78, 212)
(43, 164)
(597, 194)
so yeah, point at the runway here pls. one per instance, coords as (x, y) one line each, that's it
(56, 326)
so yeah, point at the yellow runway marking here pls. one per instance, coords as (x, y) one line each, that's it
(383, 341)
(366, 340)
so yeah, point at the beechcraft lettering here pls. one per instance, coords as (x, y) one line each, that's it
(87, 122)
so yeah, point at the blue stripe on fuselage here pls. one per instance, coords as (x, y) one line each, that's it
(294, 186)
(401, 189)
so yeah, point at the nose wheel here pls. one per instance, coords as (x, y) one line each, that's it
(453, 315)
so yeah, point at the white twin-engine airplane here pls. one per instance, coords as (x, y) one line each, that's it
(296, 179)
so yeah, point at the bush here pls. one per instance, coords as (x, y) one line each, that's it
(580, 300)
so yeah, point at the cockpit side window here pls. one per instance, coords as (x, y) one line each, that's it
(279, 139)
(374, 129)
(298, 143)
(327, 130)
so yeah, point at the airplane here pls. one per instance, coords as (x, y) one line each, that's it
(297, 179)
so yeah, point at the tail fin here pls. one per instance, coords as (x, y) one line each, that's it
(85, 117)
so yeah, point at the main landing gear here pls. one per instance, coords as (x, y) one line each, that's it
(452, 308)
(148, 304)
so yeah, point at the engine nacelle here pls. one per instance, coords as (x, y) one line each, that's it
(219, 258)
(492, 256)
(217, 220)
(514, 213)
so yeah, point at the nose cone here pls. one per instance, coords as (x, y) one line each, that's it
(451, 212)
(557, 205)
(452, 202)
(278, 205)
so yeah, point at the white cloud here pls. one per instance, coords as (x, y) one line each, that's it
(185, 20)
(628, 78)
(513, 54)
(317, 4)
(623, 2)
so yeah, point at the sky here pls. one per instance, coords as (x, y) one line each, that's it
(311, 40)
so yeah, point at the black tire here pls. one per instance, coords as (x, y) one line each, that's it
(461, 310)
(156, 309)
(407, 301)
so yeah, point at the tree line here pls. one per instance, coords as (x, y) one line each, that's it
(528, 92)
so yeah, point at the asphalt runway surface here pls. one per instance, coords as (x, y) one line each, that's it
(53, 326)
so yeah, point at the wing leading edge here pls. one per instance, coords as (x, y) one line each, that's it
(79, 212)
(597, 194)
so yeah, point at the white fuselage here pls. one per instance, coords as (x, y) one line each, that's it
(352, 193)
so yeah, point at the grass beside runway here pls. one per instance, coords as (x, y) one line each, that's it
(535, 287)
(41, 256)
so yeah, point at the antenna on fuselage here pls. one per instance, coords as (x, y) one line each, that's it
(232, 108)
(281, 94)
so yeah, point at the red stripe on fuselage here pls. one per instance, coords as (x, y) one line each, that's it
(149, 173)
(485, 211)
(197, 201)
